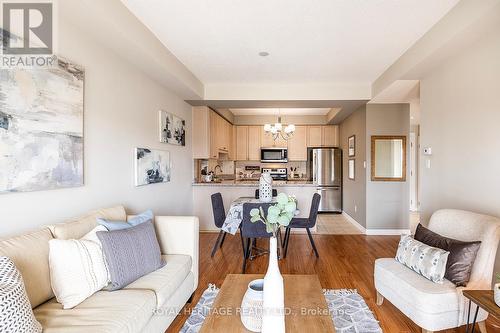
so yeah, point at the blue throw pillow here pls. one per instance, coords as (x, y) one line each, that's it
(133, 221)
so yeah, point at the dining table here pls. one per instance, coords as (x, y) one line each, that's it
(234, 215)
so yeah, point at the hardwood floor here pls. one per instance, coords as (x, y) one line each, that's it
(346, 261)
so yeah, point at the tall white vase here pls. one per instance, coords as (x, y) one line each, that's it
(266, 187)
(273, 318)
(496, 293)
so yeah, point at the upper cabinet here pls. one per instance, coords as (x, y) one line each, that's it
(297, 144)
(330, 136)
(323, 136)
(254, 144)
(314, 135)
(212, 134)
(215, 138)
(241, 143)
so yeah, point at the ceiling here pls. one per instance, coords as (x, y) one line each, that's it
(284, 112)
(308, 42)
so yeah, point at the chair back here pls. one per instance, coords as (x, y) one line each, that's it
(467, 226)
(257, 195)
(313, 213)
(257, 229)
(218, 209)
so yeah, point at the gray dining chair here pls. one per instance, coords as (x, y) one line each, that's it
(219, 218)
(251, 231)
(304, 223)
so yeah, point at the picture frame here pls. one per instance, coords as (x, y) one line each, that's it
(152, 166)
(352, 169)
(351, 146)
(172, 129)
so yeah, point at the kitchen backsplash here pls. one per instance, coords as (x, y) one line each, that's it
(301, 168)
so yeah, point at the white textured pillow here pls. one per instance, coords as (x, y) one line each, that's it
(77, 268)
(428, 261)
(16, 314)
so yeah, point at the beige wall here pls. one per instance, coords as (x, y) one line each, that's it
(121, 105)
(461, 120)
(354, 191)
(387, 203)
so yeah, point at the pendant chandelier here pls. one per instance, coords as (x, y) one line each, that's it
(278, 130)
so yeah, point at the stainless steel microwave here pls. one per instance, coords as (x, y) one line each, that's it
(274, 155)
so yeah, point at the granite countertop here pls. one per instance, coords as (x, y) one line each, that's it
(255, 183)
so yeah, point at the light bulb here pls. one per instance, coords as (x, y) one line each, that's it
(267, 127)
(278, 126)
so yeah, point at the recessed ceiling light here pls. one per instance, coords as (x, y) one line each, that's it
(263, 53)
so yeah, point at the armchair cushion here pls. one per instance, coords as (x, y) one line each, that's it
(428, 261)
(461, 258)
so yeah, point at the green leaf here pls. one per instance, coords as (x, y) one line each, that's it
(254, 219)
(273, 211)
(290, 207)
(282, 199)
(283, 220)
(272, 219)
(269, 228)
(254, 212)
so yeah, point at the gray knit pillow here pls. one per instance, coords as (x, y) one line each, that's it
(130, 253)
(16, 315)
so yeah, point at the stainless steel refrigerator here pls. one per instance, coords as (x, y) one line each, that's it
(325, 170)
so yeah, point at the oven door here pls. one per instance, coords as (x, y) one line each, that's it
(273, 155)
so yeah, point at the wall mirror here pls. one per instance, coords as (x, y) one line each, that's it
(388, 158)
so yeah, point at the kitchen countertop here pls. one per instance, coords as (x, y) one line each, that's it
(251, 183)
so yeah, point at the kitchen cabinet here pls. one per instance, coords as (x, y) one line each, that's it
(241, 143)
(212, 134)
(330, 136)
(314, 135)
(254, 143)
(297, 144)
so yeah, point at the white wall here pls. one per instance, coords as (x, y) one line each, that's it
(460, 121)
(120, 113)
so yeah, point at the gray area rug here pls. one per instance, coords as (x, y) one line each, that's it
(348, 309)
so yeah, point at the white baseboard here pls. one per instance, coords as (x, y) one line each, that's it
(375, 232)
(387, 232)
(354, 222)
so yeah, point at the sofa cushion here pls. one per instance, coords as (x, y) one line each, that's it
(30, 254)
(165, 281)
(76, 228)
(104, 312)
(423, 294)
(130, 253)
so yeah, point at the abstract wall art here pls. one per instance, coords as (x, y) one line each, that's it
(172, 129)
(151, 166)
(41, 128)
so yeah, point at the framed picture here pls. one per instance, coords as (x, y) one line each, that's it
(41, 128)
(351, 142)
(151, 166)
(172, 129)
(352, 169)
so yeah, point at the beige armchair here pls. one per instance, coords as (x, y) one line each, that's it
(433, 306)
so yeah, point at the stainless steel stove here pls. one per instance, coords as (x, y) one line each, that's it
(277, 173)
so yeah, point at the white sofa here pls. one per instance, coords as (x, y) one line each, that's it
(432, 306)
(149, 304)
